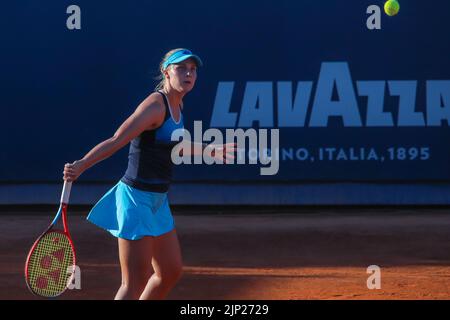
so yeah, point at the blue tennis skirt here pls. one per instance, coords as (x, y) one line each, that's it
(131, 214)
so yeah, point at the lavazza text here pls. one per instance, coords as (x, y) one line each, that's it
(335, 77)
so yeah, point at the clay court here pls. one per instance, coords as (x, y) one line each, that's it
(254, 253)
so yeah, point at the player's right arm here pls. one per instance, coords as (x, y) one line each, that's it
(149, 114)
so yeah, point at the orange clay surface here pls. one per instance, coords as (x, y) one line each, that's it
(261, 254)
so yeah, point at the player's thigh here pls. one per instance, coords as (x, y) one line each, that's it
(167, 259)
(136, 258)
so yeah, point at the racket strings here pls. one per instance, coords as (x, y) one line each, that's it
(48, 265)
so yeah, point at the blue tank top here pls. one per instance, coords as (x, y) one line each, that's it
(149, 159)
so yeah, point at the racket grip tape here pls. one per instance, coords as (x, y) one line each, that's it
(66, 192)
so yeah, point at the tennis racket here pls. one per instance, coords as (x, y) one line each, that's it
(52, 257)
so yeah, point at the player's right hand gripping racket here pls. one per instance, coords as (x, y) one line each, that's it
(50, 265)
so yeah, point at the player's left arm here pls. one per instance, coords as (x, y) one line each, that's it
(218, 151)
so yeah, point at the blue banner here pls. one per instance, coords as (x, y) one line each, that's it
(350, 103)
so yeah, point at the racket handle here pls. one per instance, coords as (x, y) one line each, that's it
(66, 192)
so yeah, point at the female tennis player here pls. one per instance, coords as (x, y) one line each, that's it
(136, 209)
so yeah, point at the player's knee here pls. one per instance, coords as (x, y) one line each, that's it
(177, 273)
(171, 275)
(136, 283)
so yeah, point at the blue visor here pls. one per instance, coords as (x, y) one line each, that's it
(182, 55)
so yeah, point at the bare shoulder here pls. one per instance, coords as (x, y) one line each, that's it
(153, 101)
(154, 105)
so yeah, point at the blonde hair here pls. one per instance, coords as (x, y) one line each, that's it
(161, 78)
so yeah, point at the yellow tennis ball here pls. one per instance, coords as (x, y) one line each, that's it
(391, 7)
